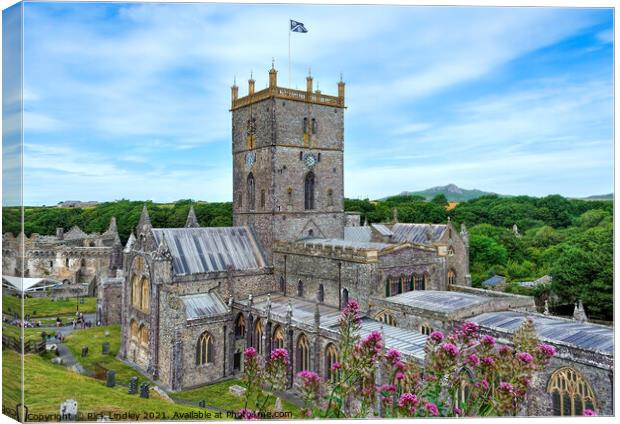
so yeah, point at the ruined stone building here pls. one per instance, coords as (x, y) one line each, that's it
(194, 298)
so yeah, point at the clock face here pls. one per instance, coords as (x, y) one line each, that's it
(310, 160)
(250, 158)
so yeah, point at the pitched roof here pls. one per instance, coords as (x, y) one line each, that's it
(203, 305)
(211, 249)
(438, 301)
(363, 234)
(417, 233)
(27, 284)
(75, 233)
(584, 335)
(382, 229)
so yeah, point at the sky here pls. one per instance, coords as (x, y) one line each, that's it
(132, 100)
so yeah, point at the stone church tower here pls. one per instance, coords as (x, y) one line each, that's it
(288, 162)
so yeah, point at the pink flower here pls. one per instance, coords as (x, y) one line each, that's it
(457, 410)
(336, 366)
(546, 350)
(400, 366)
(408, 401)
(308, 376)
(393, 355)
(280, 354)
(505, 387)
(483, 384)
(436, 336)
(589, 413)
(399, 376)
(473, 360)
(387, 388)
(488, 360)
(469, 328)
(250, 352)
(450, 349)
(525, 357)
(526, 381)
(488, 340)
(431, 408)
(505, 350)
(373, 337)
(353, 309)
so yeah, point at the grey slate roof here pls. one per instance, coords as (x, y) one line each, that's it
(203, 305)
(75, 233)
(211, 249)
(409, 342)
(363, 234)
(382, 229)
(559, 330)
(439, 301)
(416, 233)
(346, 243)
(493, 281)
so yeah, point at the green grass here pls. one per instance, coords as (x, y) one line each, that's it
(218, 395)
(29, 333)
(48, 385)
(94, 337)
(44, 307)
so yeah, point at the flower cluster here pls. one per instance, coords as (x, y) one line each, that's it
(280, 354)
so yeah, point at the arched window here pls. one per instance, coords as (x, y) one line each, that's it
(146, 295)
(451, 277)
(426, 280)
(133, 331)
(303, 353)
(330, 197)
(426, 329)
(404, 285)
(387, 287)
(419, 282)
(136, 291)
(278, 338)
(144, 335)
(300, 288)
(386, 318)
(258, 337)
(450, 251)
(309, 191)
(204, 349)
(251, 192)
(67, 262)
(570, 392)
(394, 286)
(83, 263)
(321, 294)
(314, 126)
(240, 326)
(345, 297)
(331, 357)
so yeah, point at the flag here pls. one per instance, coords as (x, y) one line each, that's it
(297, 27)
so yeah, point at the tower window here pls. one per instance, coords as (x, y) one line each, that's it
(301, 155)
(330, 197)
(290, 196)
(321, 293)
(251, 192)
(309, 191)
(314, 126)
(451, 277)
(262, 199)
(305, 126)
(300, 288)
(319, 157)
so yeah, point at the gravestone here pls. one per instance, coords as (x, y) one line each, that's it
(237, 390)
(278, 405)
(202, 403)
(105, 348)
(107, 333)
(133, 386)
(84, 351)
(57, 360)
(144, 390)
(110, 380)
(68, 410)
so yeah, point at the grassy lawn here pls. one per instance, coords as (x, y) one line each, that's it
(218, 395)
(93, 338)
(44, 307)
(29, 333)
(48, 385)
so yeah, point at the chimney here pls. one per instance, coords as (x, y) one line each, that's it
(273, 77)
(309, 84)
(251, 85)
(234, 91)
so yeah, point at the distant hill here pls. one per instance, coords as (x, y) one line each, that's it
(609, 196)
(452, 192)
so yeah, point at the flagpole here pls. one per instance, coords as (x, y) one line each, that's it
(289, 55)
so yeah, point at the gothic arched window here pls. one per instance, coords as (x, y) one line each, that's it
(451, 277)
(426, 329)
(133, 330)
(570, 393)
(240, 326)
(144, 335)
(331, 357)
(146, 295)
(303, 353)
(135, 291)
(204, 349)
(386, 318)
(345, 297)
(251, 192)
(258, 337)
(282, 285)
(425, 280)
(278, 338)
(321, 294)
(450, 251)
(300, 288)
(419, 282)
(309, 191)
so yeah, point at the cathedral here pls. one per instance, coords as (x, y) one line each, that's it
(194, 298)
